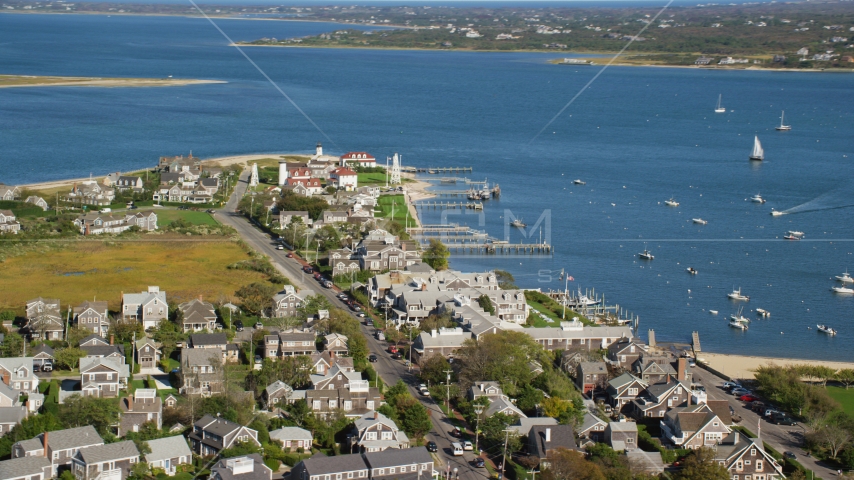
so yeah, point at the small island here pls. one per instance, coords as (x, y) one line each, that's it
(12, 81)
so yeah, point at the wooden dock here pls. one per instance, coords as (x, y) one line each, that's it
(436, 170)
(453, 205)
(500, 248)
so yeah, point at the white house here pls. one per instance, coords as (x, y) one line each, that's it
(343, 178)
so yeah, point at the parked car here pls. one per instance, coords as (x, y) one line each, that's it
(238, 325)
(280, 247)
(259, 325)
(770, 411)
(392, 349)
(396, 356)
(289, 255)
(372, 358)
(456, 432)
(748, 398)
(737, 392)
(782, 419)
(432, 447)
(47, 367)
(257, 358)
(361, 314)
(790, 455)
(468, 446)
(307, 269)
(369, 323)
(479, 463)
(730, 385)
(457, 449)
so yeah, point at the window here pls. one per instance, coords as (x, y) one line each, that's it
(630, 440)
(747, 462)
(752, 452)
(739, 465)
(633, 391)
(382, 471)
(759, 465)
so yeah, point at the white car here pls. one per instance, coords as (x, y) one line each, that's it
(467, 445)
(457, 448)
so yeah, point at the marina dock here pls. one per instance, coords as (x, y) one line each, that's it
(453, 205)
(436, 170)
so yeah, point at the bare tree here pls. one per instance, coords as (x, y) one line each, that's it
(834, 437)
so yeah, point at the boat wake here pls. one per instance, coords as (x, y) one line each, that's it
(828, 201)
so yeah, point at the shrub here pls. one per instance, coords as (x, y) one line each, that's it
(272, 463)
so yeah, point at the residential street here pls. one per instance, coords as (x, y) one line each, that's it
(388, 369)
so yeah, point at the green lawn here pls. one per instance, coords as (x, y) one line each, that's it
(384, 207)
(844, 397)
(372, 179)
(167, 216)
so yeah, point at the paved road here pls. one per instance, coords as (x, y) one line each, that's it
(781, 438)
(389, 370)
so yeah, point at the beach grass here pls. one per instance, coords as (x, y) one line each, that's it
(844, 397)
(385, 204)
(165, 217)
(86, 270)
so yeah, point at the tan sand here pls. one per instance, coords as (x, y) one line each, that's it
(742, 366)
(26, 81)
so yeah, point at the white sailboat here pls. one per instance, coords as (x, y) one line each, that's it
(757, 153)
(719, 108)
(783, 127)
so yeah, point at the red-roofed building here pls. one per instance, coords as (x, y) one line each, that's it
(343, 178)
(299, 173)
(358, 159)
(312, 185)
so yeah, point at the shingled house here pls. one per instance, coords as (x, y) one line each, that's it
(142, 407)
(211, 434)
(92, 316)
(110, 461)
(197, 315)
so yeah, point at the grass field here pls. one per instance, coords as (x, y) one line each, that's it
(183, 268)
(384, 207)
(845, 397)
(167, 216)
(372, 179)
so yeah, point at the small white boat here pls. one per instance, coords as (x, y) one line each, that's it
(763, 313)
(758, 153)
(736, 295)
(579, 182)
(719, 108)
(783, 127)
(792, 237)
(699, 221)
(713, 312)
(777, 213)
(671, 202)
(795, 233)
(826, 329)
(843, 290)
(757, 199)
(845, 278)
(737, 324)
(739, 317)
(691, 270)
(518, 223)
(646, 255)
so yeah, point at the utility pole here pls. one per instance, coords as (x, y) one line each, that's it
(478, 409)
(448, 387)
(409, 369)
(504, 455)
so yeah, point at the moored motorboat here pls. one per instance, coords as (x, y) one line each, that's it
(826, 329)
(646, 255)
(795, 233)
(792, 237)
(671, 202)
(763, 313)
(691, 270)
(700, 221)
(518, 223)
(757, 199)
(777, 213)
(845, 278)
(737, 324)
(739, 317)
(713, 312)
(736, 295)
(843, 290)
(579, 182)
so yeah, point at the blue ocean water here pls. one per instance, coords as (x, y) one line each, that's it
(638, 136)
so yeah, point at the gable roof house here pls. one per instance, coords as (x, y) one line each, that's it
(484, 389)
(92, 316)
(38, 201)
(147, 353)
(745, 457)
(167, 453)
(336, 344)
(200, 371)
(9, 192)
(337, 378)
(8, 222)
(149, 307)
(211, 434)
(294, 343)
(276, 393)
(591, 429)
(58, 446)
(590, 376)
(358, 159)
(343, 261)
(89, 192)
(622, 436)
(288, 216)
(400, 464)
(12, 411)
(97, 347)
(103, 376)
(322, 362)
(43, 354)
(319, 467)
(286, 303)
(26, 468)
(144, 406)
(354, 401)
(129, 183)
(660, 397)
(374, 432)
(444, 342)
(545, 438)
(292, 438)
(248, 467)
(624, 352)
(692, 427)
(18, 374)
(575, 334)
(653, 368)
(111, 461)
(623, 389)
(44, 319)
(343, 178)
(197, 315)
(388, 253)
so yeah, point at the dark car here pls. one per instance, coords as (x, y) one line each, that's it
(289, 255)
(307, 269)
(238, 325)
(317, 276)
(432, 447)
(396, 356)
(783, 420)
(479, 463)
(372, 358)
(790, 455)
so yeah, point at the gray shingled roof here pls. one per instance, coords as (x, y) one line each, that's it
(23, 467)
(208, 339)
(259, 471)
(73, 438)
(166, 448)
(109, 452)
(320, 464)
(394, 457)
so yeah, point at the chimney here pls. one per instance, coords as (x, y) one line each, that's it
(200, 298)
(424, 287)
(681, 368)
(376, 415)
(668, 378)
(6, 378)
(112, 339)
(735, 437)
(548, 435)
(433, 333)
(130, 403)
(45, 444)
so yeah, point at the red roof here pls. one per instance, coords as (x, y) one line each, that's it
(299, 172)
(343, 171)
(359, 156)
(311, 182)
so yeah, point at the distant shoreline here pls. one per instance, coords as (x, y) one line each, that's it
(29, 81)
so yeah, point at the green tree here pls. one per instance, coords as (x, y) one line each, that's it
(261, 428)
(101, 413)
(554, 407)
(240, 449)
(312, 304)
(255, 297)
(27, 429)
(845, 376)
(505, 280)
(434, 368)
(416, 420)
(565, 464)
(435, 322)
(528, 399)
(12, 346)
(486, 304)
(701, 465)
(436, 255)
(69, 357)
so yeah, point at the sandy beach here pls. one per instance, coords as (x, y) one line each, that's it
(24, 81)
(742, 366)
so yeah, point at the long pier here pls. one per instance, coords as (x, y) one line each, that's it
(500, 248)
(436, 170)
(445, 205)
(454, 180)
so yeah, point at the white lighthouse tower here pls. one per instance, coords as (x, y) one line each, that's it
(283, 172)
(395, 170)
(253, 178)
